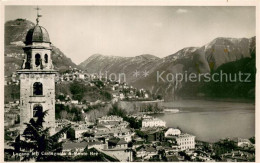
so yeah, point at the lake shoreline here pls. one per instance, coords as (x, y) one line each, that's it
(237, 100)
(211, 121)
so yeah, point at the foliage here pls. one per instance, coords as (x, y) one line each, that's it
(252, 140)
(61, 97)
(37, 139)
(186, 157)
(133, 122)
(12, 92)
(7, 136)
(141, 134)
(82, 91)
(99, 83)
(71, 134)
(115, 110)
(68, 112)
(106, 94)
(224, 146)
(237, 88)
(151, 108)
(159, 97)
(77, 90)
(93, 107)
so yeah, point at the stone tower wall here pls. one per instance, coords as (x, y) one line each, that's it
(28, 100)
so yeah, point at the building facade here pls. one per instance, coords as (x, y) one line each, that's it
(37, 79)
(153, 122)
(185, 141)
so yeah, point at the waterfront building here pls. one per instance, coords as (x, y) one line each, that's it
(185, 141)
(153, 122)
(172, 131)
(242, 142)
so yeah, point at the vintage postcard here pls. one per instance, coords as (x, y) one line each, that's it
(146, 81)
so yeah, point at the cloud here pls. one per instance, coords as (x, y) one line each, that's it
(181, 11)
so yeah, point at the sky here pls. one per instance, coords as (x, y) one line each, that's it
(81, 31)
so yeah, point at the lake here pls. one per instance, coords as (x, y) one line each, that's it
(211, 120)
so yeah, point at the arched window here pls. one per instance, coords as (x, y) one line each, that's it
(37, 88)
(37, 59)
(37, 110)
(46, 58)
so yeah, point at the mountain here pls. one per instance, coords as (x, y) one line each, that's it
(98, 63)
(204, 59)
(15, 33)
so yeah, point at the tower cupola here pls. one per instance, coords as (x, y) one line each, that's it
(37, 48)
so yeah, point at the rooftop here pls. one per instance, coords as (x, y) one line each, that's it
(37, 34)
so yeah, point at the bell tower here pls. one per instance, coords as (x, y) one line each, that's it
(37, 78)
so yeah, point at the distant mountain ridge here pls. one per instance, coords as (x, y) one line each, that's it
(102, 63)
(208, 57)
(15, 33)
(202, 59)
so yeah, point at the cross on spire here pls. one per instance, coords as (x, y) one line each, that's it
(38, 15)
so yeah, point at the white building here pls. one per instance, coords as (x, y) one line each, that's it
(121, 96)
(81, 76)
(185, 141)
(172, 132)
(109, 119)
(74, 102)
(242, 142)
(153, 122)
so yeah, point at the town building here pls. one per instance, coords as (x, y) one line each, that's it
(146, 152)
(119, 149)
(184, 141)
(153, 122)
(240, 142)
(172, 131)
(111, 118)
(80, 130)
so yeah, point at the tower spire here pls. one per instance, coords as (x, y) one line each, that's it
(38, 15)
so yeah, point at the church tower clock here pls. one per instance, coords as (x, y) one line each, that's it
(37, 78)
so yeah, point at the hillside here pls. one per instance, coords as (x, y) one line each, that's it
(15, 32)
(204, 59)
(235, 89)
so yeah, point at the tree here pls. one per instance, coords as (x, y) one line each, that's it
(115, 110)
(71, 134)
(252, 140)
(36, 139)
(63, 114)
(77, 89)
(98, 83)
